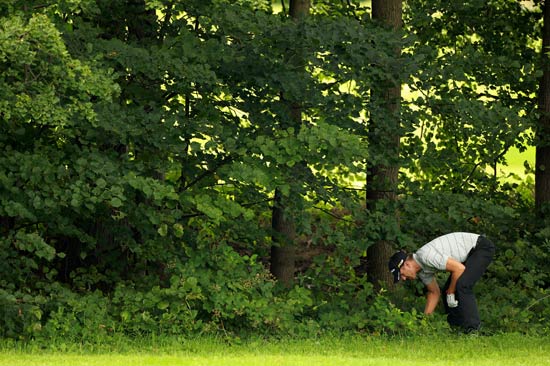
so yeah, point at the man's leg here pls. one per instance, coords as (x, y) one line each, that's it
(476, 264)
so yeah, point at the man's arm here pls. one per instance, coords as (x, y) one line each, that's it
(432, 296)
(457, 269)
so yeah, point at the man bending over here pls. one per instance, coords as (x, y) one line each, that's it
(465, 256)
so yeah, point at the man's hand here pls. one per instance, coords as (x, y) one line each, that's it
(451, 301)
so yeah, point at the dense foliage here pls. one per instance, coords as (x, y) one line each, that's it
(141, 143)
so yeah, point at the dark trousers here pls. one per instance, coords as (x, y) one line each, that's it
(466, 315)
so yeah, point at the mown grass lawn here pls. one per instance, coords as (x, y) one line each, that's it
(516, 161)
(452, 350)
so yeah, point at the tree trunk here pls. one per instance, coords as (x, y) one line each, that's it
(383, 167)
(542, 172)
(283, 251)
(299, 9)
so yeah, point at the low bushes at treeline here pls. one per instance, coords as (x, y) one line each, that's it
(214, 287)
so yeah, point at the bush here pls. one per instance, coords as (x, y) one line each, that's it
(20, 313)
(215, 290)
(77, 318)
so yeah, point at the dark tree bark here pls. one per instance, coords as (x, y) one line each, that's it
(542, 172)
(383, 137)
(283, 251)
(299, 9)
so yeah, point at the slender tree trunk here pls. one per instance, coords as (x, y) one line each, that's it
(299, 9)
(542, 172)
(383, 136)
(283, 251)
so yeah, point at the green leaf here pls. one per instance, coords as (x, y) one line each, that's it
(116, 202)
(163, 305)
(101, 183)
(178, 230)
(163, 230)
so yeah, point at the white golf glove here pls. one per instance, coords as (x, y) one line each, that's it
(451, 301)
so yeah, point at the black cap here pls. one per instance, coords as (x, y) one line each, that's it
(395, 263)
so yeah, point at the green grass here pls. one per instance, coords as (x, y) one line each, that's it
(516, 161)
(454, 350)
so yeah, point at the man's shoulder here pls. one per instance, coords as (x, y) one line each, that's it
(432, 256)
(425, 252)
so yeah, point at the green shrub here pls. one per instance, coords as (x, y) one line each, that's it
(215, 290)
(80, 318)
(20, 313)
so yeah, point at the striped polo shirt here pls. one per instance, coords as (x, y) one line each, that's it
(433, 256)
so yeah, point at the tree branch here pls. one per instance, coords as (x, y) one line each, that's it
(332, 214)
